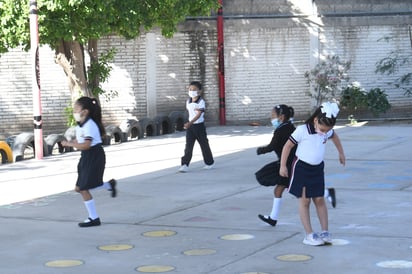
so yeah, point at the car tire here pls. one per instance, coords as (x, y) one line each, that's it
(131, 129)
(163, 125)
(177, 120)
(55, 139)
(148, 127)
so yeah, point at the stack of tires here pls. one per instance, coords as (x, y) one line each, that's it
(22, 146)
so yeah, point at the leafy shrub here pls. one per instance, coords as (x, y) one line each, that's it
(326, 78)
(355, 98)
(377, 101)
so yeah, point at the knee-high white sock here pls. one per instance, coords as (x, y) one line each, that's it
(275, 208)
(326, 193)
(105, 185)
(91, 209)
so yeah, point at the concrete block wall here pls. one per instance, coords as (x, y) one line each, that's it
(16, 95)
(265, 67)
(151, 74)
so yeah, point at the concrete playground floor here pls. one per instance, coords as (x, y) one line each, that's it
(205, 221)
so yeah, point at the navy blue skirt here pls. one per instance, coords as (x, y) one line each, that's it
(91, 167)
(310, 177)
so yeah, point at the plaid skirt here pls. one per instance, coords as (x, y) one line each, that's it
(310, 177)
(91, 167)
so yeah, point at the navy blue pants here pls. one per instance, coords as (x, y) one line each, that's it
(197, 132)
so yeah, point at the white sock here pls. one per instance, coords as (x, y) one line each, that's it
(105, 185)
(275, 208)
(326, 193)
(91, 209)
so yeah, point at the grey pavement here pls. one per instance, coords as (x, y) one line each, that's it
(205, 221)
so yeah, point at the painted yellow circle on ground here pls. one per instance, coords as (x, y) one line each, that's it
(340, 242)
(64, 263)
(160, 233)
(395, 264)
(118, 247)
(155, 268)
(294, 257)
(199, 252)
(237, 237)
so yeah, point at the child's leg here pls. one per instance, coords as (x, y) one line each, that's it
(89, 204)
(304, 204)
(322, 212)
(109, 185)
(277, 201)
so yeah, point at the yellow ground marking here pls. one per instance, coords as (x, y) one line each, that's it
(395, 264)
(294, 257)
(64, 263)
(159, 233)
(155, 268)
(237, 237)
(199, 252)
(118, 247)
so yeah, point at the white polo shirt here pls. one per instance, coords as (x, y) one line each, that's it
(199, 104)
(88, 131)
(311, 145)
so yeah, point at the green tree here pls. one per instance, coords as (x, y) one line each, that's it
(393, 63)
(73, 28)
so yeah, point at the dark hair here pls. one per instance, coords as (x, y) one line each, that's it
(95, 112)
(322, 119)
(196, 84)
(285, 110)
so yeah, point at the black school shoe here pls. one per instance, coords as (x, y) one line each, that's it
(267, 220)
(113, 183)
(332, 195)
(90, 222)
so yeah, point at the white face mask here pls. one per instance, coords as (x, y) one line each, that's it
(193, 93)
(77, 116)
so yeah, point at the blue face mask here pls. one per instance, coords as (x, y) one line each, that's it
(275, 123)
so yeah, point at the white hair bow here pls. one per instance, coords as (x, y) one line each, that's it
(331, 109)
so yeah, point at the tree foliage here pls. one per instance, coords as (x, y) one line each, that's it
(354, 98)
(326, 78)
(394, 62)
(73, 27)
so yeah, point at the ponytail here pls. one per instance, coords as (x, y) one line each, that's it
(95, 111)
(97, 116)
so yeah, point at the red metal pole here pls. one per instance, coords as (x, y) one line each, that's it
(37, 111)
(221, 71)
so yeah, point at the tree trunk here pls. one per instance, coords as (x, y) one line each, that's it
(70, 56)
(94, 59)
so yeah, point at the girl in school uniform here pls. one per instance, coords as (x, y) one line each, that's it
(90, 168)
(307, 181)
(282, 121)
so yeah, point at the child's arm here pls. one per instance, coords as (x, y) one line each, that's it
(76, 145)
(283, 171)
(338, 145)
(199, 113)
